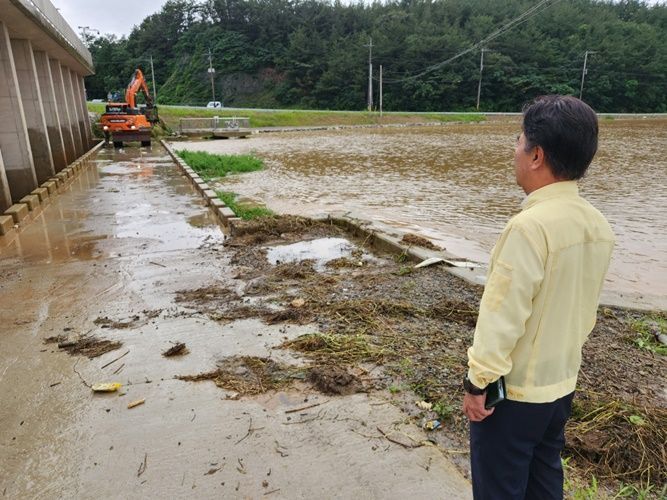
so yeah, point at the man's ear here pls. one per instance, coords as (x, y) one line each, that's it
(538, 158)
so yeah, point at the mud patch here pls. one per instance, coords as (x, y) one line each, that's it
(249, 375)
(334, 380)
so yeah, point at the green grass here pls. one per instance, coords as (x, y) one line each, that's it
(211, 166)
(243, 211)
(304, 118)
(645, 330)
(444, 410)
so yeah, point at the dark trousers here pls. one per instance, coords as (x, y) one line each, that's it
(515, 452)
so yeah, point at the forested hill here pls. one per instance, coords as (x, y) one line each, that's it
(314, 54)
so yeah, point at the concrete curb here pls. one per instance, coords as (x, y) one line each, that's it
(383, 241)
(225, 214)
(19, 213)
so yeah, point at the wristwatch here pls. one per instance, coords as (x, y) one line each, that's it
(470, 388)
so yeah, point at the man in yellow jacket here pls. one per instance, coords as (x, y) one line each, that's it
(538, 307)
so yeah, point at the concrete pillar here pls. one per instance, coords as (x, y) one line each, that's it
(14, 143)
(5, 194)
(33, 109)
(50, 105)
(80, 92)
(63, 111)
(73, 111)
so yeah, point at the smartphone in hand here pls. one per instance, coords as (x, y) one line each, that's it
(495, 393)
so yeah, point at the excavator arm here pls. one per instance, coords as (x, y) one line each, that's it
(137, 84)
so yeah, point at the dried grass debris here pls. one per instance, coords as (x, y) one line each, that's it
(249, 375)
(178, 349)
(618, 439)
(413, 239)
(89, 346)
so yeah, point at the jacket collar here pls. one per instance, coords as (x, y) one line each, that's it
(556, 189)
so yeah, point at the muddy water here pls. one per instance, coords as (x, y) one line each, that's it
(455, 184)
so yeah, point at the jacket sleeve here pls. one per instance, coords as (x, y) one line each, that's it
(515, 275)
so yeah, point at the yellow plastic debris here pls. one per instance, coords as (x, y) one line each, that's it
(106, 387)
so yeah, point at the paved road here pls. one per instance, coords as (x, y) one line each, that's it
(106, 258)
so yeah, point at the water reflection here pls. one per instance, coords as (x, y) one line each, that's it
(455, 184)
(130, 202)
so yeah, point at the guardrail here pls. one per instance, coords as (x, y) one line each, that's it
(205, 125)
(49, 17)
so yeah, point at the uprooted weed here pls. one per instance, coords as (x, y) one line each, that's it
(617, 439)
(341, 349)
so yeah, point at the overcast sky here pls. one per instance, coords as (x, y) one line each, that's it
(107, 16)
(119, 16)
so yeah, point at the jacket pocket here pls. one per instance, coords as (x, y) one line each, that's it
(497, 286)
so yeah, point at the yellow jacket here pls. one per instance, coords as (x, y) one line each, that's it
(541, 296)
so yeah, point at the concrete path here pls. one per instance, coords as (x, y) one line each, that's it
(105, 258)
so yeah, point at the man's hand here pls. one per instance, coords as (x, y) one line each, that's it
(473, 407)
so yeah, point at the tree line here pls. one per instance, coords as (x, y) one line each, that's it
(314, 54)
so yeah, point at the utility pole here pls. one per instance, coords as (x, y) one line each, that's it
(584, 71)
(85, 30)
(481, 68)
(211, 72)
(370, 73)
(153, 78)
(380, 90)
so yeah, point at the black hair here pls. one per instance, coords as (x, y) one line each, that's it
(567, 130)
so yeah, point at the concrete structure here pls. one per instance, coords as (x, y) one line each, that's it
(44, 122)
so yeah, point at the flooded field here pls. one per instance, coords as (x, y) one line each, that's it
(455, 185)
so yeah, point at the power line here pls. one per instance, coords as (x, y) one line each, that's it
(534, 10)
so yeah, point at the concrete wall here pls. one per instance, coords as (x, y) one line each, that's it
(44, 123)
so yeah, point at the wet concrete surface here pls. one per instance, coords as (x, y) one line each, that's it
(128, 234)
(454, 184)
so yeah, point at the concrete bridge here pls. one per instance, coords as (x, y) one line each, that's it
(44, 122)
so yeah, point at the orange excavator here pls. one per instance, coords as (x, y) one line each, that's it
(127, 122)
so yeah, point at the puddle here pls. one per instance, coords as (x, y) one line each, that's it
(201, 220)
(321, 251)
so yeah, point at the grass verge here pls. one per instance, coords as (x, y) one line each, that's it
(243, 211)
(211, 166)
(303, 118)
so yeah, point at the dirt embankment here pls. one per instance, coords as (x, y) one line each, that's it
(384, 325)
